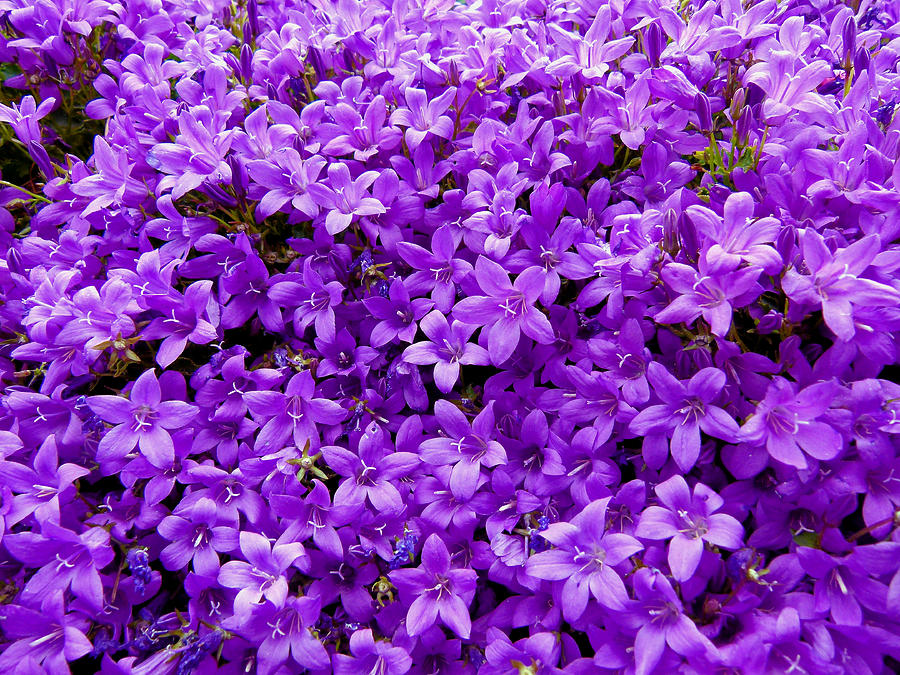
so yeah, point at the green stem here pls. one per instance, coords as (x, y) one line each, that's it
(868, 530)
(759, 147)
(33, 195)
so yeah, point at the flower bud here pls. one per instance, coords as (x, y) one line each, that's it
(848, 37)
(704, 113)
(654, 44)
(860, 62)
(744, 125)
(737, 104)
(246, 63)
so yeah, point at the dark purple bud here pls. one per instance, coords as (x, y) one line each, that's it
(233, 63)
(670, 231)
(884, 114)
(197, 650)
(744, 125)
(253, 16)
(14, 261)
(704, 112)
(453, 73)
(246, 63)
(216, 192)
(41, 158)
(755, 95)
(139, 564)
(315, 59)
(170, 126)
(736, 107)
(654, 43)
(786, 243)
(52, 68)
(848, 36)
(239, 178)
(687, 233)
(770, 323)
(860, 62)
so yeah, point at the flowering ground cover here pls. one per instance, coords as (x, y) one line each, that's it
(432, 337)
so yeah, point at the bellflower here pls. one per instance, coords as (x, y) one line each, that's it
(786, 420)
(286, 636)
(447, 348)
(467, 447)
(293, 414)
(50, 636)
(346, 198)
(586, 556)
(687, 409)
(197, 537)
(367, 655)
(42, 488)
(143, 420)
(438, 591)
(507, 310)
(688, 518)
(369, 472)
(662, 622)
(834, 281)
(262, 573)
(64, 560)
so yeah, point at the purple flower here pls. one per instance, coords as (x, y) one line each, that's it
(368, 656)
(397, 314)
(284, 633)
(659, 615)
(448, 348)
(227, 395)
(64, 560)
(363, 136)
(440, 271)
(790, 86)
(41, 489)
(286, 175)
(345, 198)
(842, 585)
(708, 294)
(315, 515)
(686, 409)
(185, 319)
(688, 519)
(787, 422)
(507, 310)
(737, 236)
(369, 472)
(198, 154)
(142, 420)
(113, 184)
(585, 556)
(438, 591)
(197, 537)
(262, 572)
(588, 56)
(293, 414)
(467, 447)
(314, 298)
(834, 281)
(48, 637)
(423, 117)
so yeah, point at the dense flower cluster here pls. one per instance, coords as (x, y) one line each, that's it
(429, 337)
